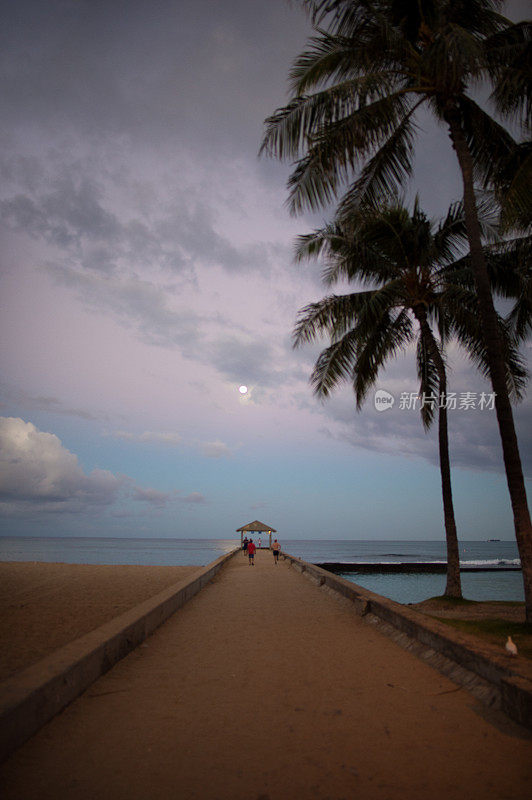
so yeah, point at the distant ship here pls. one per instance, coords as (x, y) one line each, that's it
(493, 540)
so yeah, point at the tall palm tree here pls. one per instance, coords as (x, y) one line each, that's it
(409, 264)
(355, 94)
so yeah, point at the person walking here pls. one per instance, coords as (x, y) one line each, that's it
(245, 545)
(276, 547)
(251, 553)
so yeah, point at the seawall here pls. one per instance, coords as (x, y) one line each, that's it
(34, 695)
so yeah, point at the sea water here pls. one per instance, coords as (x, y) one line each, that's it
(99, 550)
(500, 583)
(413, 588)
(403, 587)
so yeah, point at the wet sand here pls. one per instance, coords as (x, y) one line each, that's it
(266, 687)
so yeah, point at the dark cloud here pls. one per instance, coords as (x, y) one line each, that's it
(252, 360)
(152, 496)
(159, 72)
(67, 216)
(89, 215)
(474, 440)
(138, 303)
(16, 396)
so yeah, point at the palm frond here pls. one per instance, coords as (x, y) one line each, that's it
(384, 342)
(312, 245)
(451, 238)
(509, 56)
(334, 365)
(386, 171)
(333, 316)
(333, 58)
(334, 154)
(452, 55)
(349, 252)
(466, 326)
(510, 269)
(342, 15)
(291, 129)
(480, 17)
(489, 143)
(359, 261)
(513, 189)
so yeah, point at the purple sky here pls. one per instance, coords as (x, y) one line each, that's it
(147, 273)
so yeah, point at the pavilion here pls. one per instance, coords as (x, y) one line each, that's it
(256, 527)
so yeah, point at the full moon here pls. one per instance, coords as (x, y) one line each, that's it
(243, 389)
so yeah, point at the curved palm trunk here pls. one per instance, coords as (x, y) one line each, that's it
(490, 332)
(453, 587)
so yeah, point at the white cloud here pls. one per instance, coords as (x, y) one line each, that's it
(38, 473)
(215, 449)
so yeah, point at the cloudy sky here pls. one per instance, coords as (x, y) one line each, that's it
(147, 274)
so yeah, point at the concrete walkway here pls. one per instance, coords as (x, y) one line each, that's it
(266, 687)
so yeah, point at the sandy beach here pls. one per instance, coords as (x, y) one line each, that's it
(43, 606)
(266, 686)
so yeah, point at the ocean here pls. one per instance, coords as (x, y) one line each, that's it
(500, 583)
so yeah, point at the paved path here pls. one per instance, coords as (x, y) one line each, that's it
(266, 687)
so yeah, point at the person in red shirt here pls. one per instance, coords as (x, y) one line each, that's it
(251, 552)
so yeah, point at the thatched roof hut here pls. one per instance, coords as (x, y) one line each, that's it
(256, 527)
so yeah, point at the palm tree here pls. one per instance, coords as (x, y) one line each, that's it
(355, 94)
(410, 265)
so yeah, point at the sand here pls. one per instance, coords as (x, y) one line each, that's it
(266, 687)
(43, 606)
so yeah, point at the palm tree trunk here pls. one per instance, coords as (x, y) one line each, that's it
(453, 586)
(489, 323)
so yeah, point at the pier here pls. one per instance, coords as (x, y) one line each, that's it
(268, 686)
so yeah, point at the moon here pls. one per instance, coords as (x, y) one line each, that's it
(243, 389)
